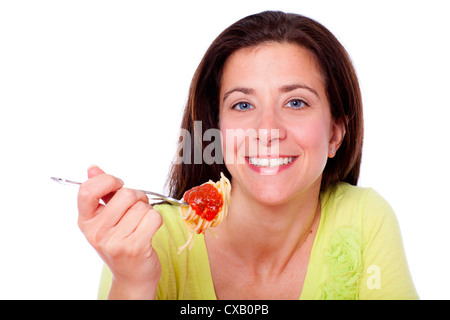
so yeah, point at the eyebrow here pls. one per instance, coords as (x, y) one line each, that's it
(243, 90)
(284, 89)
(292, 87)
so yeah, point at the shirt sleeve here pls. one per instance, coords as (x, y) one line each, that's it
(105, 283)
(386, 273)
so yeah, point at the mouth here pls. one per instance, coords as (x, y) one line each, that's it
(270, 162)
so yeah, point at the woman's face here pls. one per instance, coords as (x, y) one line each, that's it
(275, 122)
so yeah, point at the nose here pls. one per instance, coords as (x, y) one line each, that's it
(270, 127)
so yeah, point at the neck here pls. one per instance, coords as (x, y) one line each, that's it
(259, 232)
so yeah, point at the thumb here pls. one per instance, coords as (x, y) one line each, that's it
(94, 171)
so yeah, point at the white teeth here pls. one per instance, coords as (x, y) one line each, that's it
(262, 162)
(272, 162)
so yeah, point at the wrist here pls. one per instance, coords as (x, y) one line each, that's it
(121, 290)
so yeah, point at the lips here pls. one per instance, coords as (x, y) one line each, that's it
(270, 162)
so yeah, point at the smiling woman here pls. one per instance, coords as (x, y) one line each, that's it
(287, 94)
(326, 53)
(297, 224)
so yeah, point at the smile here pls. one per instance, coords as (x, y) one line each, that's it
(270, 162)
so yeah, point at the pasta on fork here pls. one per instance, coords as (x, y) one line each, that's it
(208, 206)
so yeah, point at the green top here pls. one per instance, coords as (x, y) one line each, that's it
(357, 253)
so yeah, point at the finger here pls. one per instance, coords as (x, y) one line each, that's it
(95, 171)
(131, 219)
(120, 203)
(92, 191)
(148, 226)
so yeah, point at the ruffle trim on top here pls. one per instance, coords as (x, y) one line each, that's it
(344, 266)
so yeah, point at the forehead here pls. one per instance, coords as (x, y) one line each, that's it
(272, 61)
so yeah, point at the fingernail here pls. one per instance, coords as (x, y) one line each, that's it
(92, 166)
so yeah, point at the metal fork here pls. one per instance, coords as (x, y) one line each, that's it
(172, 201)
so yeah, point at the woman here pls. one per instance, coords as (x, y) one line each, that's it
(298, 227)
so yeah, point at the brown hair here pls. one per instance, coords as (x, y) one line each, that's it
(340, 79)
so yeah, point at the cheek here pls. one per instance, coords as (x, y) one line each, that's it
(234, 142)
(228, 141)
(312, 136)
(228, 145)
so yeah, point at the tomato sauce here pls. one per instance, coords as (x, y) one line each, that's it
(205, 200)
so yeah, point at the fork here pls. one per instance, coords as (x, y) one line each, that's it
(172, 201)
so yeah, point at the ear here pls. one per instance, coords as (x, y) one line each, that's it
(337, 135)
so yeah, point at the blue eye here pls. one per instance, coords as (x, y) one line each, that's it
(242, 106)
(296, 104)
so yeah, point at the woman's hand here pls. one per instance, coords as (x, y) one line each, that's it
(121, 232)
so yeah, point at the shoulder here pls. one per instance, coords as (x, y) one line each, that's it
(346, 201)
(368, 216)
(362, 209)
(359, 230)
(350, 194)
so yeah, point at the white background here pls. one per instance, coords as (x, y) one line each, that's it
(104, 82)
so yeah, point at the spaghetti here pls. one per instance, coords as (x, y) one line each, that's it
(208, 206)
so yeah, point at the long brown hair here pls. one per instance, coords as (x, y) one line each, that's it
(341, 86)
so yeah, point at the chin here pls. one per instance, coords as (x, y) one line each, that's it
(280, 189)
(272, 201)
